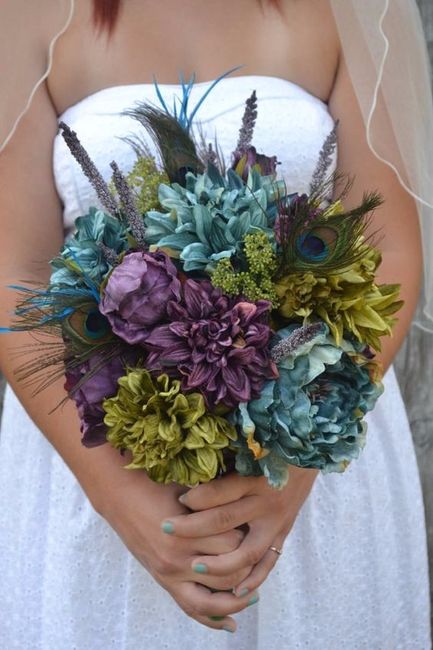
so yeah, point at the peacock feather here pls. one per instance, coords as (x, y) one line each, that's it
(176, 147)
(326, 239)
(68, 330)
(170, 130)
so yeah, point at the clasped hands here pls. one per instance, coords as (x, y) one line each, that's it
(247, 516)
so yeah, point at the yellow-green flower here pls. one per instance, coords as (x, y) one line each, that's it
(170, 434)
(348, 300)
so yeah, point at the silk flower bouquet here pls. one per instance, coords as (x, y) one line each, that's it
(206, 319)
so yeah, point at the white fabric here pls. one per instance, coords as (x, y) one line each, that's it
(354, 570)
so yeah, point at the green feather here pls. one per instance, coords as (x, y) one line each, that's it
(176, 147)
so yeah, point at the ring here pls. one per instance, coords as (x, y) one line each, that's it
(277, 550)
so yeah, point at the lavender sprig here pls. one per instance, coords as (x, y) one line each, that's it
(109, 254)
(89, 169)
(127, 201)
(325, 159)
(248, 123)
(299, 337)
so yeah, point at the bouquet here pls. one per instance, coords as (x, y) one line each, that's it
(206, 319)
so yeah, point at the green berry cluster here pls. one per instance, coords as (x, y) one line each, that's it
(256, 282)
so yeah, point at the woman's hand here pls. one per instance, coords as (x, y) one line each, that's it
(134, 506)
(232, 501)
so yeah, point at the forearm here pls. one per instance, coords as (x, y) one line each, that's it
(97, 469)
(404, 268)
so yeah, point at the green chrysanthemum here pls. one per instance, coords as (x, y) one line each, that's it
(170, 434)
(348, 300)
(256, 282)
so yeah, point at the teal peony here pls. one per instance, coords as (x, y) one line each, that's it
(81, 257)
(312, 415)
(208, 219)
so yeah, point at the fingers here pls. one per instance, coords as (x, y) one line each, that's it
(198, 602)
(221, 583)
(214, 521)
(217, 622)
(187, 596)
(261, 571)
(218, 544)
(248, 554)
(217, 492)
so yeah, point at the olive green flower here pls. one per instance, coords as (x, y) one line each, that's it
(256, 282)
(348, 300)
(170, 434)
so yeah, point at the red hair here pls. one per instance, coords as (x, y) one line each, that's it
(106, 12)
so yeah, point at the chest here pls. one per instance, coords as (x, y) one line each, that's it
(164, 39)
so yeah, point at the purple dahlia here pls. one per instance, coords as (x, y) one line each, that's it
(218, 344)
(101, 384)
(137, 292)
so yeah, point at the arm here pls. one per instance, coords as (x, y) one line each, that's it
(234, 500)
(32, 233)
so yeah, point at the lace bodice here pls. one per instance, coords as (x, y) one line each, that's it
(292, 124)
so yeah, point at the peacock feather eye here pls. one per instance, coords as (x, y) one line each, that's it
(87, 326)
(316, 244)
(96, 326)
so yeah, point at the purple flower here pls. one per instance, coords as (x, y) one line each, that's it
(100, 385)
(244, 161)
(219, 344)
(137, 293)
(293, 211)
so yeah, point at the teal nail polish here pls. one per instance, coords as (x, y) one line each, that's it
(200, 568)
(167, 527)
(217, 618)
(243, 592)
(228, 629)
(253, 600)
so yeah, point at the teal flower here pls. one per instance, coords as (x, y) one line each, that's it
(82, 256)
(208, 219)
(312, 415)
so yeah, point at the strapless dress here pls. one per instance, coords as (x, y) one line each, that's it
(354, 570)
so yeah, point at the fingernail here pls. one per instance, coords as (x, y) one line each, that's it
(243, 592)
(228, 629)
(217, 618)
(253, 600)
(200, 568)
(167, 527)
(182, 498)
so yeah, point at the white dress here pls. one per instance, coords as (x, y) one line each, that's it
(354, 570)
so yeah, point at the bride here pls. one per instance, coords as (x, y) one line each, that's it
(95, 557)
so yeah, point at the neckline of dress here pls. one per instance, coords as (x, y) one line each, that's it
(197, 84)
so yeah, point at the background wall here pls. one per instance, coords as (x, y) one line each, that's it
(414, 367)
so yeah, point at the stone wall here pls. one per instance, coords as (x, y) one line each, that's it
(414, 367)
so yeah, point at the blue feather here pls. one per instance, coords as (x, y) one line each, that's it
(182, 116)
(92, 286)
